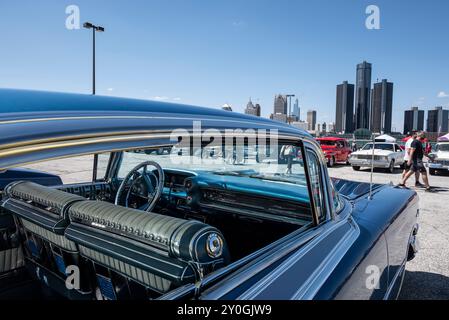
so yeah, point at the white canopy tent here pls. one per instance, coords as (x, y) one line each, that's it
(385, 138)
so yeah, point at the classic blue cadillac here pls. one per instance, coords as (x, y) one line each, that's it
(183, 202)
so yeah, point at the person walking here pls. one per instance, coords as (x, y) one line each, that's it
(407, 168)
(288, 153)
(416, 162)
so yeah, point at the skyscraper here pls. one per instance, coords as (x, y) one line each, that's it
(280, 104)
(296, 115)
(311, 119)
(344, 115)
(258, 109)
(252, 109)
(382, 107)
(413, 120)
(362, 100)
(437, 120)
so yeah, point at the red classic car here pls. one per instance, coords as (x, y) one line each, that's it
(335, 149)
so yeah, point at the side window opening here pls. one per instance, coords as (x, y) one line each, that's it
(79, 171)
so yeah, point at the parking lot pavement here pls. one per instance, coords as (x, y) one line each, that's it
(427, 276)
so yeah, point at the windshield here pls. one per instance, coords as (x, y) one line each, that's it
(379, 146)
(443, 147)
(327, 143)
(278, 163)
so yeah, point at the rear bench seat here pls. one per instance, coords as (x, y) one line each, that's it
(156, 251)
(41, 210)
(123, 247)
(41, 215)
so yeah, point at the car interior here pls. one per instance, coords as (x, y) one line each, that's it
(146, 228)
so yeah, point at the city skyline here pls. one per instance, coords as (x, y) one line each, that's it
(202, 58)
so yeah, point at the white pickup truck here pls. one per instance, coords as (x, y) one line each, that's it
(387, 155)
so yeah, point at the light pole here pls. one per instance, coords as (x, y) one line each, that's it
(94, 28)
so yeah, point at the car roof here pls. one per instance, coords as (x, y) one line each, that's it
(27, 115)
(25, 104)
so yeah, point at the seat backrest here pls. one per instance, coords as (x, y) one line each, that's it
(42, 216)
(144, 245)
(41, 209)
(53, 201)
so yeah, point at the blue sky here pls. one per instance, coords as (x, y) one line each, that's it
(211, 52)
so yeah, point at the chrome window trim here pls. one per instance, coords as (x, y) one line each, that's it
(327, 193)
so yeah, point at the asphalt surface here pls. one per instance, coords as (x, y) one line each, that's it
(427, 276)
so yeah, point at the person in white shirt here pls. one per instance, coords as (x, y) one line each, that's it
(408, 145)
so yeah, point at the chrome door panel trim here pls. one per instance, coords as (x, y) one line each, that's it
(265, 260)
(312, 285)
(392, 284)
(309, 289)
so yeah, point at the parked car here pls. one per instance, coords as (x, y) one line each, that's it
(165, 226)
(439, 160)
(336, 150)
(387, 155)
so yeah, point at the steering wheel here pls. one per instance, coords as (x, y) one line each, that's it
(152, 185)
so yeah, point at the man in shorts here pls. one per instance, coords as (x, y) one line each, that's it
(407, 168)
(416, 161)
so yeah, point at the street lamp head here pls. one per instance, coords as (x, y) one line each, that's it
(88, 25)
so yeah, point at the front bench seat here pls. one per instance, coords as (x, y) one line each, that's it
(157, 251)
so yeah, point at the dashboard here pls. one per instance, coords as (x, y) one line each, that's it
(207, 193)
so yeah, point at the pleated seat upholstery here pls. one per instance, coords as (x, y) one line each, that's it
(158, 251)
(41, 210)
